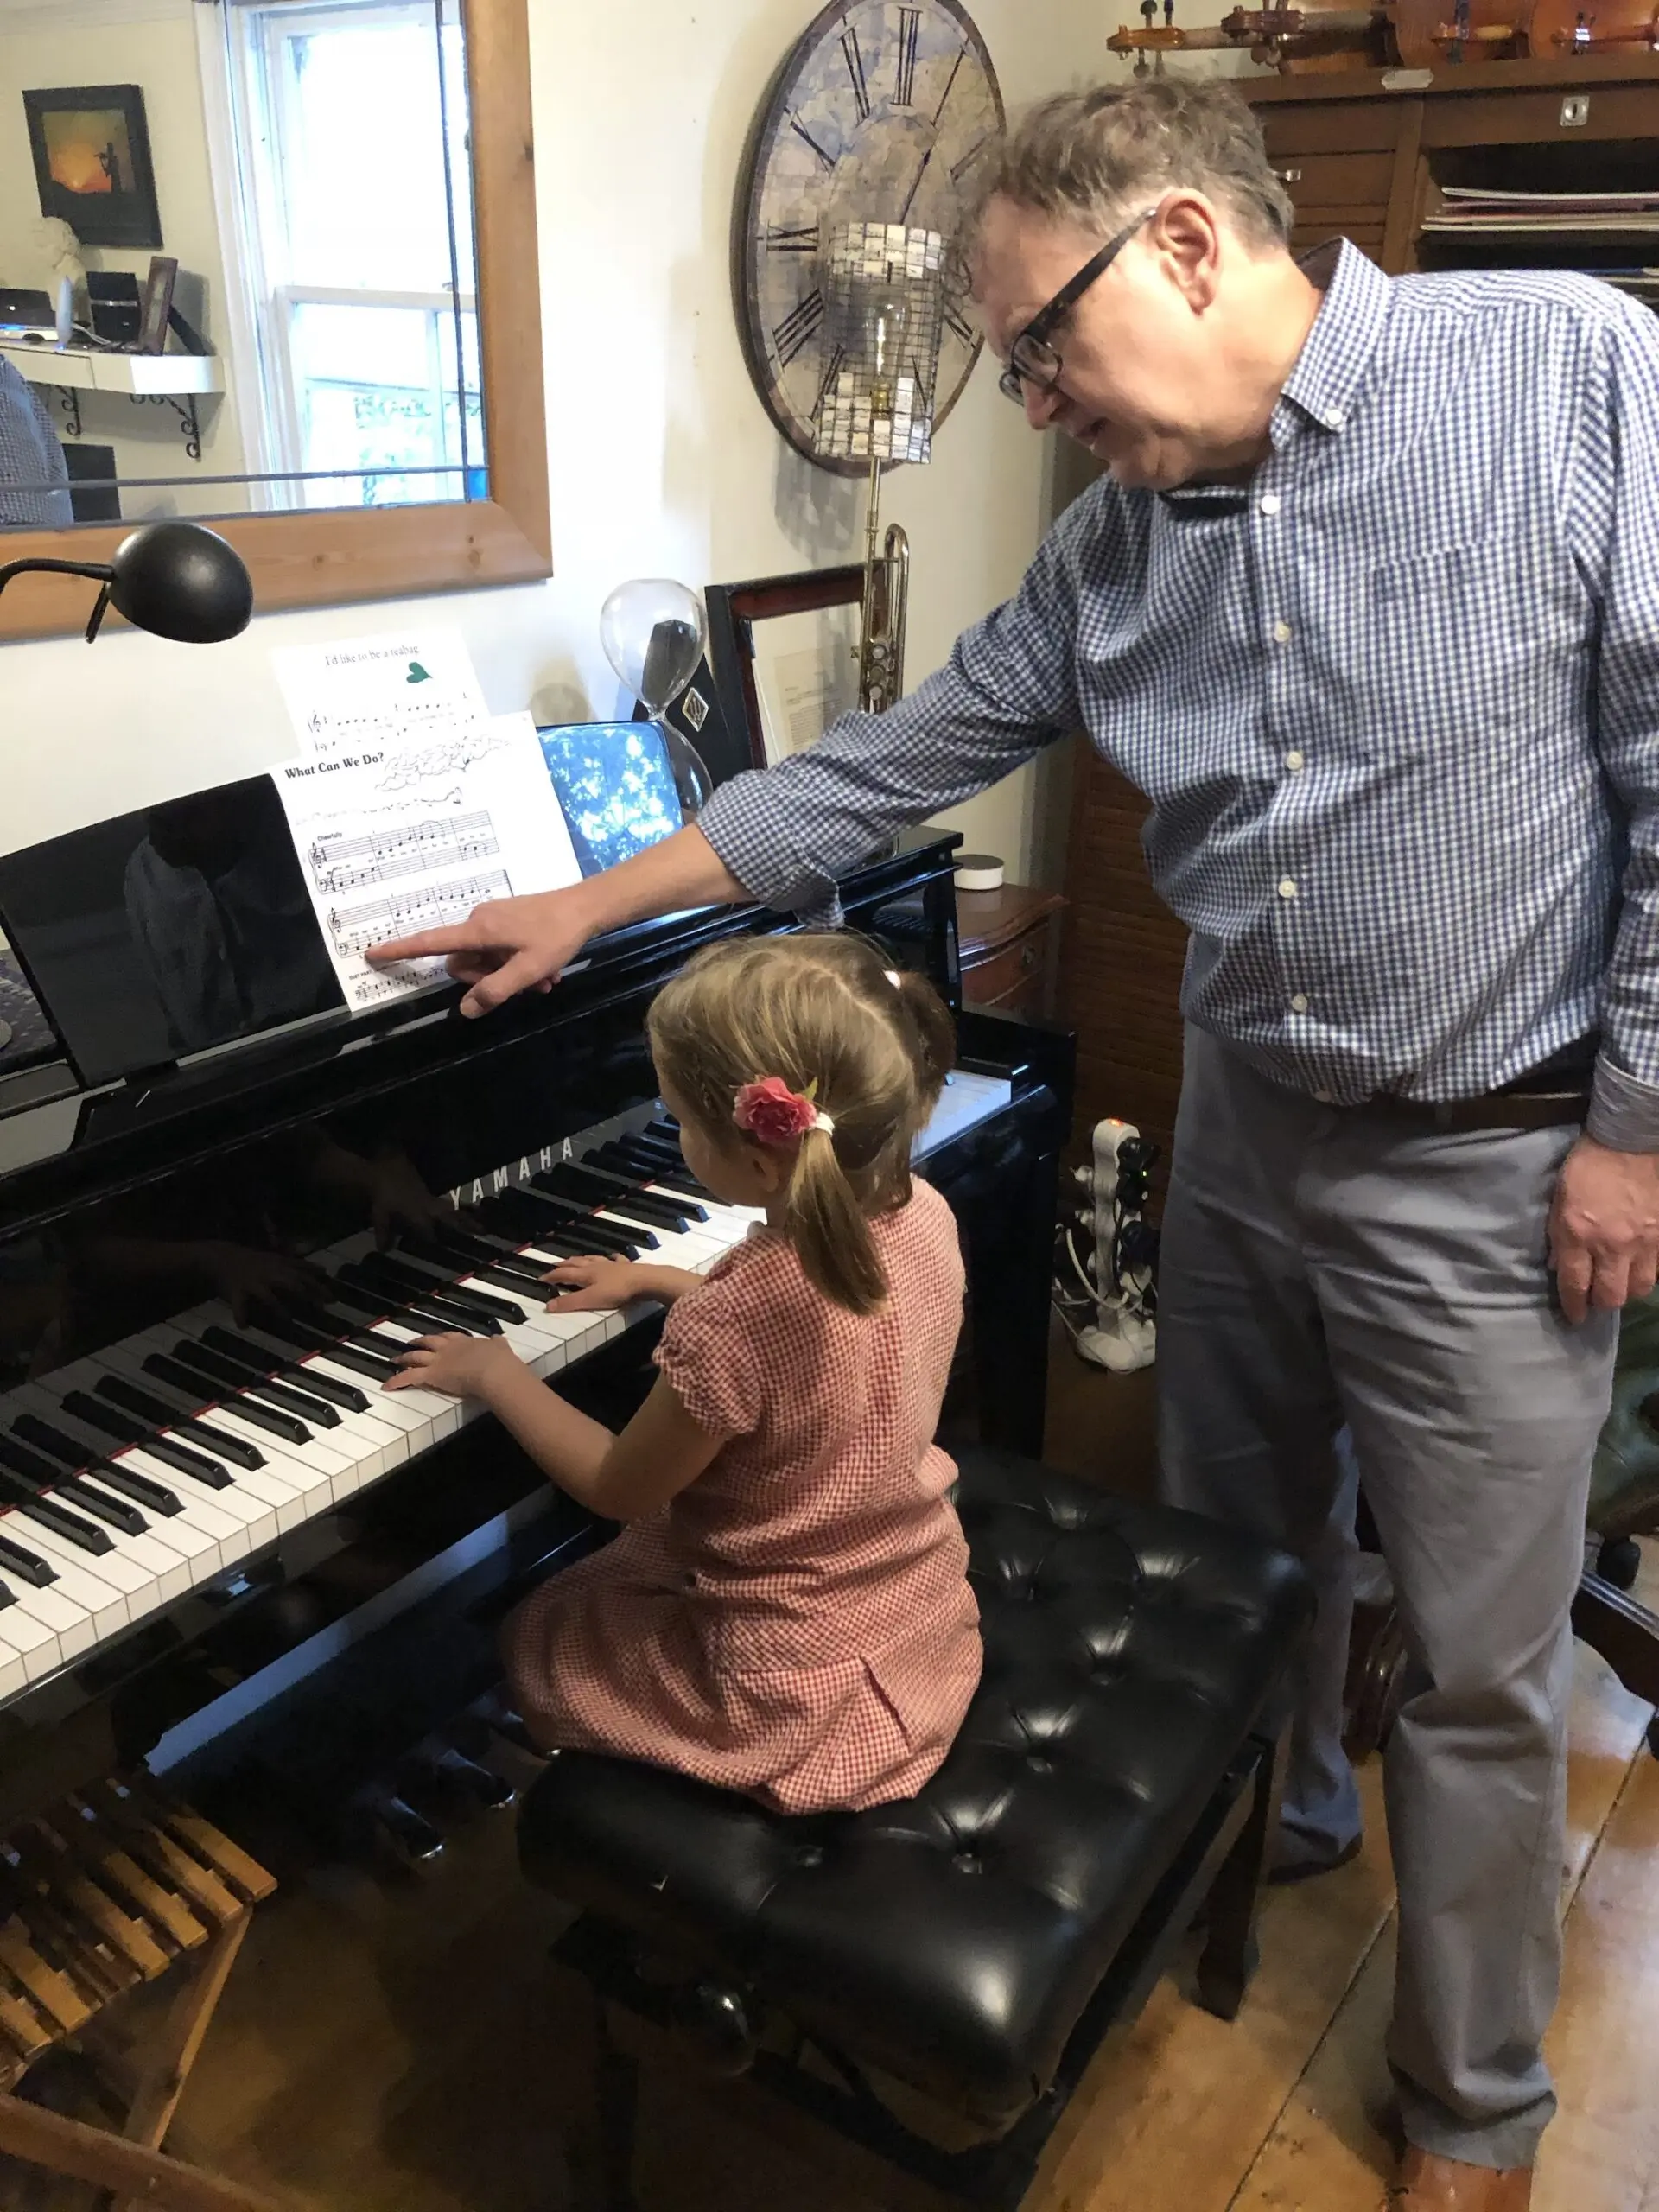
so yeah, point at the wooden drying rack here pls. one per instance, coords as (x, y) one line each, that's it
(109, 1890)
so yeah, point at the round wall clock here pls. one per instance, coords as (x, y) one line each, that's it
(880, 113)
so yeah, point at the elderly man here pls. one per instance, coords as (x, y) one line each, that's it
(1368, 604)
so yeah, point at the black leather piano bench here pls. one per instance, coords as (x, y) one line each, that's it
(957, 1957)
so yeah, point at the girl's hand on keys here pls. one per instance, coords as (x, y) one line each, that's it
(591, 1285)
(462, 1367)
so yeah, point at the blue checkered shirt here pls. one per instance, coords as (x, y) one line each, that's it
(1395, 703)
(34, 479)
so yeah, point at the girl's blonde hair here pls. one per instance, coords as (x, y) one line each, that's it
(817, 1010)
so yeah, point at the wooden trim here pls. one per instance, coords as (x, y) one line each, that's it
(1399, 229)
(1634, 68)
(349, 554)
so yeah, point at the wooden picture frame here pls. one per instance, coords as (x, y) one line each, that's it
(91, 147)
(733, 609)
(328, 557)
(156, 311)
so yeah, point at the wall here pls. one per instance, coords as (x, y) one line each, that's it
(152, 44)
(662, 459)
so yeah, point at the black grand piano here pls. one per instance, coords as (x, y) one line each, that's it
(209, 1512)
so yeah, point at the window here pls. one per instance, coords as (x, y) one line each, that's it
(354, 174)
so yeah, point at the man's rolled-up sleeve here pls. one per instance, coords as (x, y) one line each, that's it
(787, 833)
(1617, 514)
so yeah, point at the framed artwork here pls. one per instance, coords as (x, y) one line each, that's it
(92, 163)
(158, 305)
(784, 653)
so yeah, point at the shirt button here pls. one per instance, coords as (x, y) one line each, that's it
(1295, 762)
(1287, 887)
(1282, 632)
(1323, 1098)
(1299, 1002)
(1334, 418)
(1270, 503)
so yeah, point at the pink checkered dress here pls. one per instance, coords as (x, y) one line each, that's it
(797, 1622)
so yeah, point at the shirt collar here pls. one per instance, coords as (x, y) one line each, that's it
(1324, 386)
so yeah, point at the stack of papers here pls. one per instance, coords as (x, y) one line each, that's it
(1474, 207)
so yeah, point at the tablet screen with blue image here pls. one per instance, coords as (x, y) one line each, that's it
(616, 787)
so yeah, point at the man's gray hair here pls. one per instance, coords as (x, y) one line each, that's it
(1098, 157)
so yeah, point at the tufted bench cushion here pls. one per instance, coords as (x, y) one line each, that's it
(954, 1939)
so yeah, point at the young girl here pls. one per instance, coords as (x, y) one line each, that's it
(788, 1611)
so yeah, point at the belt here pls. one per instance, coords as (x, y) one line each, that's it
(1498, 1109)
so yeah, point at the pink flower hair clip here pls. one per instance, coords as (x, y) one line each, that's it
(772, 1113)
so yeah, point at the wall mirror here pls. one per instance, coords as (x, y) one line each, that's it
(271, 265)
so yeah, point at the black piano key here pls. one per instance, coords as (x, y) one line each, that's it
(344, 1354)
(26, 1566)
(111, 1475)
(380, 1350)
(56, 1442)
(224, 1375)
(7, 1598)
(554, 1225)
(180, 1378)
(445, 1314)
(321, 1386)
(419, 1283)
(160, 1447)
(40, 1506)
(490, 1261)
(252, 1380)
(643, 1167)
(78, 1491)
(160, 1415)
(588, 1186)
(138, 1487)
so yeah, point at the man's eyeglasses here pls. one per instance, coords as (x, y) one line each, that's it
(1031, 359)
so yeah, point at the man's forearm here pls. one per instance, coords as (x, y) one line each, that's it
(683, 871)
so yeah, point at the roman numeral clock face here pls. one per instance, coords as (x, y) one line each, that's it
(881, 113)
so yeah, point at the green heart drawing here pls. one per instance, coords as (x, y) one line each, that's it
(417, 674)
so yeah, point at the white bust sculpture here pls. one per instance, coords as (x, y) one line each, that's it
(60, 249)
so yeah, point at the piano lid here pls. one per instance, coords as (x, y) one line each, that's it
(61, 1142)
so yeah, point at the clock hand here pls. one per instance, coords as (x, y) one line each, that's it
(910, 200)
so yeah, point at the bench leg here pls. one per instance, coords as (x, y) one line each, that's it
(616, 2075)
(1228, 1957)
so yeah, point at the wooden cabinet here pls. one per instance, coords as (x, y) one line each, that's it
(1363, 155)
(1009, 946)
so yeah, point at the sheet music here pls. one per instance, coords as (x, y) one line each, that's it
(398, 688)
(413, 836)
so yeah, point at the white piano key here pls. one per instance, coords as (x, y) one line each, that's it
(97, 1595)
(236, 1523)
(144, 1573)
(29, 1641)
(14, 1675)
(64, 1618)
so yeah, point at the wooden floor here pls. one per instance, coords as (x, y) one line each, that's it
(406, 2049)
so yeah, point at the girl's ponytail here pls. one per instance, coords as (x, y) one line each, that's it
(829, 1228)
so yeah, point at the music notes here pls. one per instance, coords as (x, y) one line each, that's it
(364, 695)
(401, 913)
(397, 843)
(344, 864)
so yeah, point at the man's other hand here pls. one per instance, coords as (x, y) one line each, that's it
(1603, 1228)
(504, 947)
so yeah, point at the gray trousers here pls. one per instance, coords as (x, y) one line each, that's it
(1347, 1297)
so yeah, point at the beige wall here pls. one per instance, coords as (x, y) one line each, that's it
(662, 459)
(152, 44)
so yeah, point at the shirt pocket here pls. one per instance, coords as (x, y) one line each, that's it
(1447, 651)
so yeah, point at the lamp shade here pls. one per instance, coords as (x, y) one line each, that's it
(181, 581)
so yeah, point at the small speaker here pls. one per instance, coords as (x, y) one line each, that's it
(117, 311)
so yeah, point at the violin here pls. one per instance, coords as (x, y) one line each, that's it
(1429, 33)
(1557, 29)
(1272, 33)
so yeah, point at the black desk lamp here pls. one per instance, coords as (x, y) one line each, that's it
(173, 578)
